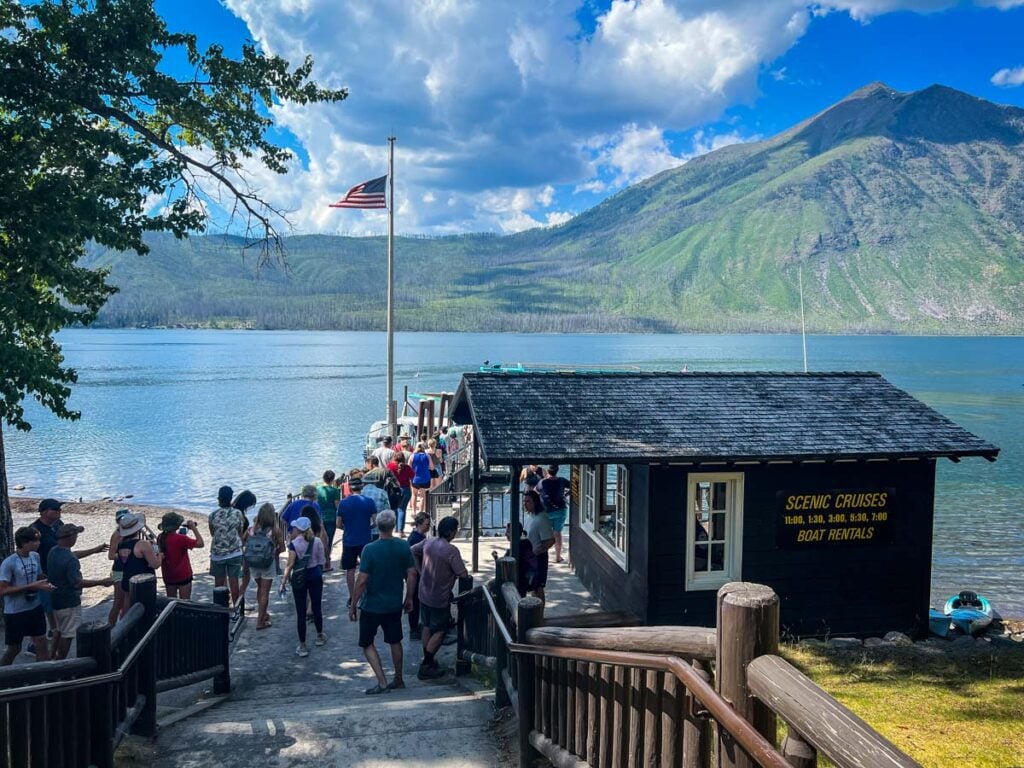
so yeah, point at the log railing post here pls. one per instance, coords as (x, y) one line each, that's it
(505, 571)
(222, 682)
(143, 592)
(696, 726)
(467, 604)
(529, 614)
(748, 627)
(798, 752)
(94, 642)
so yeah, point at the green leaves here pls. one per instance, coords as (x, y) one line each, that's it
(93, 129)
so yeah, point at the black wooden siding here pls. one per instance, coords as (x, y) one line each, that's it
(841, 590)
(617, 590)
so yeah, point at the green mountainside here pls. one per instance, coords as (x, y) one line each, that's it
(903, 211)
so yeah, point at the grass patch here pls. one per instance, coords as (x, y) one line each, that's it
(942, 707)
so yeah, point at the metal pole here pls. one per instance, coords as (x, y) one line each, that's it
(803, 325)
(474, 505)
(392, 416)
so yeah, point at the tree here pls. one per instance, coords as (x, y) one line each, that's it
(94, 131)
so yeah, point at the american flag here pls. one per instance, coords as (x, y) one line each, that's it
(369, 194)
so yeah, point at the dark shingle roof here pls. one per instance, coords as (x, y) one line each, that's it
(571, 417)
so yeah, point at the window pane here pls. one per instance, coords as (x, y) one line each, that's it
(718, 526)
(611, 477)
(700, 557)
(719, 500)
(702, 499)
(717, 557)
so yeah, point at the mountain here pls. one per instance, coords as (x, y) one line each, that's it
(900, 212)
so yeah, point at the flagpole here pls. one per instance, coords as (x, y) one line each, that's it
(392, 415)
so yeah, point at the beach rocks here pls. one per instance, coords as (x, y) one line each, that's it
(17, 487)
(897, 638)
(873, 642)
(845, 643)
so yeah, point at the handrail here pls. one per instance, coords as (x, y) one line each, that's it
(756, 746)
(146, 638)
(14, 675)
(131, 617)
(497, 618)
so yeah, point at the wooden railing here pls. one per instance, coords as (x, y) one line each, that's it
(74, 713)
(657, 696)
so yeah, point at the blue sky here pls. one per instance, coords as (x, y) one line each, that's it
(512, 114)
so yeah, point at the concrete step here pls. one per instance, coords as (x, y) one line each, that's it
(370, 731)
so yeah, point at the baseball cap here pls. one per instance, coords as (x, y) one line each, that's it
(68, 529)
(48, 504)
(301, 523)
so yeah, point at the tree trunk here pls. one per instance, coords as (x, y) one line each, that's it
(6, 520)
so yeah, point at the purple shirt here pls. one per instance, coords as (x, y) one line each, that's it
(440, 564)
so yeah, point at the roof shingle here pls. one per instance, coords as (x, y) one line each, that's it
(604, 417)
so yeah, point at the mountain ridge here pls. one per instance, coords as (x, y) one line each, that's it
(904, 211)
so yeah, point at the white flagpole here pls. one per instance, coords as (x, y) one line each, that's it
(392, 415)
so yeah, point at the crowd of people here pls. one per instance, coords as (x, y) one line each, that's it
(386, 573)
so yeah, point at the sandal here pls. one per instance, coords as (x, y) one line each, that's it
(376, 690)
(396, 685)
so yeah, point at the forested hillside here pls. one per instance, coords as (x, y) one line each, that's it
(904, 211)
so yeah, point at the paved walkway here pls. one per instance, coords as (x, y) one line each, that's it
(287, 711)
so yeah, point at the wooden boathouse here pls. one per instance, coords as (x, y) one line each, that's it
(819, 485)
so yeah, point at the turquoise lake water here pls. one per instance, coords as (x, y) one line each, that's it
(170, 415)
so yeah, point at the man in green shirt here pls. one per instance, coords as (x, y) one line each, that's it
(386, 581)
(328, 497)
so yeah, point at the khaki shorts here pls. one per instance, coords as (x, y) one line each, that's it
(68, 620)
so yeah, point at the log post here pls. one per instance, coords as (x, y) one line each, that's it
(505, 570)
(93, 641)
(222, 682)
(798, 752)
(142, 590)
(748, 627)
(465, 605)
(514, 512)
(529, 614)
(696, 726)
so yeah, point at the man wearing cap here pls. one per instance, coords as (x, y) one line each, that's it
(65, 573)
(21, 583)
(385, 452)
(48, 524)
(356, 515)
(439, 563)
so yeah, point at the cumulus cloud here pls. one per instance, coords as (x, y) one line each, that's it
(494, 103)
(1009, 78)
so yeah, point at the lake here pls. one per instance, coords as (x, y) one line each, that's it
(170, 415)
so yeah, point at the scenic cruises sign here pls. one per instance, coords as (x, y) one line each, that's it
(835, 518)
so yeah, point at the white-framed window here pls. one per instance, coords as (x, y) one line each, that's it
(604, 508)
(714, 529)
(588, 504)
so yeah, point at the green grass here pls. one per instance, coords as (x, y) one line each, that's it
(950, 709)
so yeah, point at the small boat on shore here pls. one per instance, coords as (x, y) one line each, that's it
(969, 612)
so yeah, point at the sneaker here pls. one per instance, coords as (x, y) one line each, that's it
(430, 672)
(302, 651)
(321, 639)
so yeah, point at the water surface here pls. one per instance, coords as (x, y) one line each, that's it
(170, 415)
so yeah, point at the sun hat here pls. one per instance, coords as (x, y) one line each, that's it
(131, 523)
(68, 529)
(170, 521)
(301, 523)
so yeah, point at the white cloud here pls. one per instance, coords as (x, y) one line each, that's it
(490, 99)
(1002, 5)
(1009, 77)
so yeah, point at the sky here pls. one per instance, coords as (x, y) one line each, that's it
(514, 114)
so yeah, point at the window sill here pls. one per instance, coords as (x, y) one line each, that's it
(619, 558)
(707, 584)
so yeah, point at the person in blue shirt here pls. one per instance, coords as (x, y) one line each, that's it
(356, 514)
(421, 479)
(293, 510)
(552, 490)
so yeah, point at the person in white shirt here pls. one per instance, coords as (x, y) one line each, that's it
(384, 453)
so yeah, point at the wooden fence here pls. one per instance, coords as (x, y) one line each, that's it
(672, 697)
(74, 713)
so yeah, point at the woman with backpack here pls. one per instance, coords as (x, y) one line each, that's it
(263, 543)
(304, 573)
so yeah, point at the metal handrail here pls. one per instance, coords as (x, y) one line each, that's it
(506, 636)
